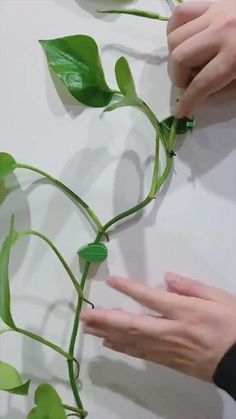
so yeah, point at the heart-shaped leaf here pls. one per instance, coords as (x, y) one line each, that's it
(76, 61)
(5, 296)
(95, 253)
(7, 165)
(184, 125)
(48, 404)
(11, 381)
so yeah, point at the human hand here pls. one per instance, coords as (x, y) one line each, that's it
(202, 46)
(196, 330)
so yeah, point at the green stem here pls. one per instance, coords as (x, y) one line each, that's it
(59, 255)
(44, 342)
(64, 188)
(75, 332)
(75, 410)
(135, 12)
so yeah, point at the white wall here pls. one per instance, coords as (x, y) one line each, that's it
(190, 229)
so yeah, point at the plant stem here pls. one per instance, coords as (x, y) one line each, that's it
(155, 186)
(135, 12)
(73, 409)
(44, 342)
(64, 188)
(75, 332)
(59, 255)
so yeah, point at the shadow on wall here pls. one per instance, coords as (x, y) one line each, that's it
(91, 6)
(14, 200)
(170, 395)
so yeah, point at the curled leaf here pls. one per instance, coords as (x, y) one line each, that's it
(5, 296)
(48, 404)
(11, 381)
(7, 165)
(126, 85)
(76, 61)
(95, 253)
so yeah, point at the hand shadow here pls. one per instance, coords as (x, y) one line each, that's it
(167, 394)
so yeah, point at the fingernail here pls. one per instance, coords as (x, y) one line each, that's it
(172, 279)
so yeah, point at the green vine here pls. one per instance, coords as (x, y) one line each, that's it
(78, 56)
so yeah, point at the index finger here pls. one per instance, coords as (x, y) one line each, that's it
(158, 300)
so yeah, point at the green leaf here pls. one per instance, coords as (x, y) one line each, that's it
(76, 61)
(125, 79)
(95, 253)
(184, 125)
(48, 404)
(11, 381)
(5, 296)
(7, 165)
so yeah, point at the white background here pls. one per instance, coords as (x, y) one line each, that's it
(190, 228)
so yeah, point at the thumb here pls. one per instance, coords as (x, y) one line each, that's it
(192, 288)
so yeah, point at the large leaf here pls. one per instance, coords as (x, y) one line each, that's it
(5, 296)
(76, 61)
(48, 404)
(11, 381)
(7, 165)
(95, 253)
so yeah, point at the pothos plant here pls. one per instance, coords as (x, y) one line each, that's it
(76, 62)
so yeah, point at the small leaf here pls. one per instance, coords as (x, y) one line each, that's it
(48, 404)
(5, 296)
(184, 125)
(95, 253)
(76, 61)
(11, 381)
(124, 79)
(7, 165)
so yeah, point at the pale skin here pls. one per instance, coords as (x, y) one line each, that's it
(193, 324)
(202, 45)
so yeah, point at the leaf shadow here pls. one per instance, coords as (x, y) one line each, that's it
(91, 7)
(153, 59)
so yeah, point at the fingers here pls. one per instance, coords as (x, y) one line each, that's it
(157, 300)
(213, 77)
(186, 31)
(190, 55)
(186, 13)
(192, 288)
(126, 325)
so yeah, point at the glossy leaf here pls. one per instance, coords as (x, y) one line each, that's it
(184, 125)
(5, 296)
(7, 165)
(95, 253)
(76, 61)
(48, 404)
(11, 381)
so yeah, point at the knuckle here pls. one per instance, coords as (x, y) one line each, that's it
(229, 23)
(178, 57)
